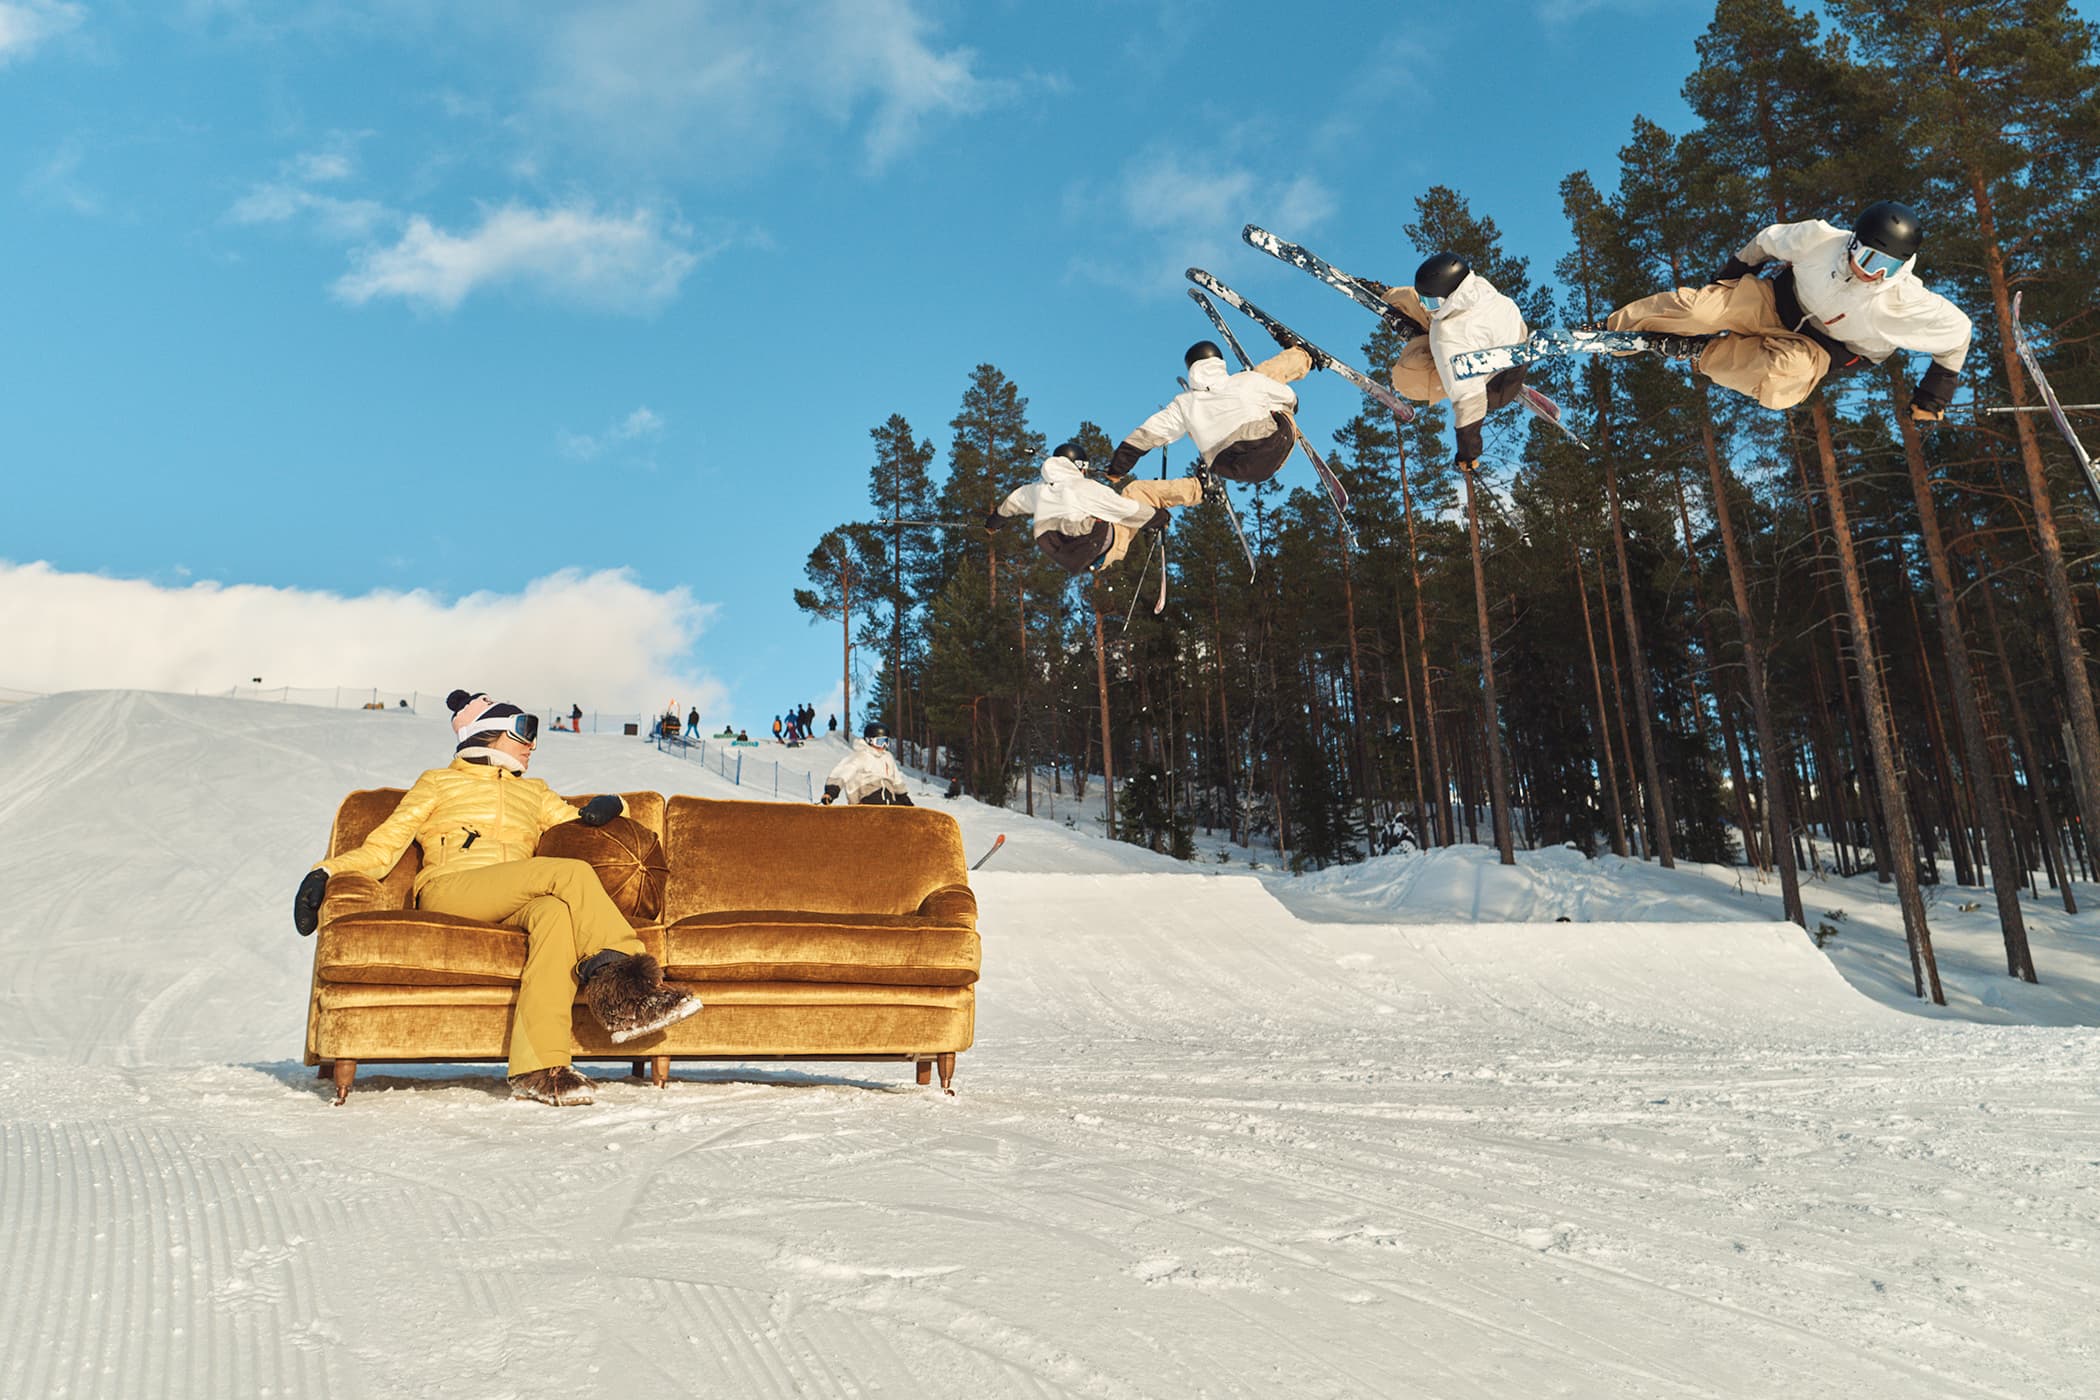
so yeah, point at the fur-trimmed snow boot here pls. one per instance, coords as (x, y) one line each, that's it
(629, 997)
(556, 1084)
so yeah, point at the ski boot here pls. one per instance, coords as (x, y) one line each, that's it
(1213, 489)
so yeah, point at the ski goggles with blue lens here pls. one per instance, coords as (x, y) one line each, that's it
(524, 728)
(1432, 304)
(1873, 264)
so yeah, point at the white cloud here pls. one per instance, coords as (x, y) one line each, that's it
(599, 639)
(1176, 212)
(642, 425)
(27, 24)
(341, 219)
(631, 262)
(738, 81)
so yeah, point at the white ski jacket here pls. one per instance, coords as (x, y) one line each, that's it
(1872, 319)
(864, 770)
(1216, 410)
(1474, 317)
(1069, 501)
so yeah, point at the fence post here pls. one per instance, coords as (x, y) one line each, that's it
(739, 770)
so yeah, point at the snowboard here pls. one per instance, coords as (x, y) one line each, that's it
(1337, 494)
(1543, 344)
(1286, 336)
(2056, 408)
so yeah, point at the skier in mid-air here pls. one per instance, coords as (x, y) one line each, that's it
(1242, 424)
(477, 821)
(867, 776)
(1082, 523)
(1457, 309)
(1842, 298)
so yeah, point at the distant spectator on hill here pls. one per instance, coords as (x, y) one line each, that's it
(576, 719)
(692, 723)
(777, 730)
(834, 724)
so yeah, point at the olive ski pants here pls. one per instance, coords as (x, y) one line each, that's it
(566, 915)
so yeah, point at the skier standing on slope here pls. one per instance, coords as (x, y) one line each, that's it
(1457, 309)
(1843, 298)
(867, 776)
(478, 821)
(1240, 423)
(1082, 523)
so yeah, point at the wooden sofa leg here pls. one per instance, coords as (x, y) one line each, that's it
(926, 1071)
(660, 1070)
(345, 1071)
(948, 1072)
(324, 1070)
(641, 1069)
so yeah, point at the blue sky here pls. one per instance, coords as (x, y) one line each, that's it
(350, 298)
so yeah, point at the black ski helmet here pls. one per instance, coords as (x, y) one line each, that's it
(874, 729)
(1440, 274)
(1201, 350)
(1070, 451)
(1891, 228)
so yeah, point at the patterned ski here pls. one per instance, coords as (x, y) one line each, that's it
(1285, 335)
(1337, 493)
(1539, 405)
(2056, 409)
(1543, 344)
(1351, 287)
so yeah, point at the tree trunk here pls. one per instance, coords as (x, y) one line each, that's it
(1618, 695)
(1108, 763)
(1611, 765)
(1658, 799)
(1881, 739)
(1442, 834)
(1498, 791)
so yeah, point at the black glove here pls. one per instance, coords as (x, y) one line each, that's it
(831, 794)
(1125, 461)
(1376, 288)
(1734, 269)
(1469, 442)
(599, 810)
(991, 521)
(306, 905)
(1158, 521)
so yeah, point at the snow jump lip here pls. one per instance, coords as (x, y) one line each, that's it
(1206, 938)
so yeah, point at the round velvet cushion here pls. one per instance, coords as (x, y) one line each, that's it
(627, 856)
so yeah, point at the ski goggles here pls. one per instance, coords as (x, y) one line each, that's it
(880, 741)
(1873, 264)
(524, 728)
(1432, 304)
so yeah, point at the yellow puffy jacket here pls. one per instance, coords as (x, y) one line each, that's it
(465, 816)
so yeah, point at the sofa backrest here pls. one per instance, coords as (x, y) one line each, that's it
(821, 860)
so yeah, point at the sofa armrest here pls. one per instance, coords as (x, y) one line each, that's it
(355, 894)
(952, 904)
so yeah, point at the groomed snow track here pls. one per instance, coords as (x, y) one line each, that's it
(1202, 1147)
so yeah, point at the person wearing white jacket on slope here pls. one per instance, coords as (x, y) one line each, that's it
(1082, 523)
(1842, 299)
(867, 776)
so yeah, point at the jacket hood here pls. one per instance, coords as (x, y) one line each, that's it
(1058, 471)
(1469, 294)
(1208, 374)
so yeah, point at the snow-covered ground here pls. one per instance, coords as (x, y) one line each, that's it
(1220, 1135)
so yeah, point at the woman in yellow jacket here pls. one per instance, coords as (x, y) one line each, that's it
(478, 821)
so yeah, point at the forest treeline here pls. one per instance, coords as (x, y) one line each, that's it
(1819, 639)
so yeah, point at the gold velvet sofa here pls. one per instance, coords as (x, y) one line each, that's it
(817, 933)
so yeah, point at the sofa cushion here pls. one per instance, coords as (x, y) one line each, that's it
(767, 946)
(414, 947)
(627, 856)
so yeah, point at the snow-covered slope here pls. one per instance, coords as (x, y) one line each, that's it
(1203, 1146)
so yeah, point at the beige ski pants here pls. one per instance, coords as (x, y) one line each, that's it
(1759, 356)
(566, 915)
(1413, 375)
(1183, 491)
